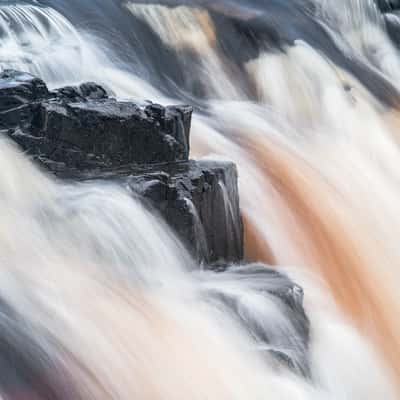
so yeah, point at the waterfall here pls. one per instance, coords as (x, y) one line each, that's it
(303, 96)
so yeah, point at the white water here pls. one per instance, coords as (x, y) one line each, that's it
(91, 267)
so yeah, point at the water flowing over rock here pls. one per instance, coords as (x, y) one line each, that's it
(198, 200)
(272, 289)
(388, 5)
(96, 290)
(80, 133)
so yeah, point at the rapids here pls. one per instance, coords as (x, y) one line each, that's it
(303, 95)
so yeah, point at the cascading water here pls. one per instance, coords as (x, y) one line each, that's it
(303, 96)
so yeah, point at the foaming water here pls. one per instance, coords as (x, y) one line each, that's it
(109, 297)
(38, 39)
(308, 111)
(316, 170)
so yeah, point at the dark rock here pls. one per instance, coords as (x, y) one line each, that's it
(388, 5)
(81, 128)
(83, 92)
(19, 93)
(391, 15)
(249, 293)
(392, 21)
(199, 201)
(17, 88)
(80, 133)
(114, 133)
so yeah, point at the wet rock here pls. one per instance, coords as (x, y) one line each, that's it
(17, 88)
(79, 133)
(255, 295)
(392, 21)
(111, 133)
(19, 93)
(198, 199)
(391, 15)
(388, 5)
(88, 90)
(82, 128)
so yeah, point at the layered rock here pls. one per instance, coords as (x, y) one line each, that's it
(80, 133)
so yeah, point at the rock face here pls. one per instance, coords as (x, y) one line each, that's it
(80, 133)
(82, 129)
(197, 199)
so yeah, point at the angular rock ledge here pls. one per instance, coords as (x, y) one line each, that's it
(79, 133)
(81, 128)
(196, 199)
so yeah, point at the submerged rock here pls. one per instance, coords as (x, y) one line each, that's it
(388, 5)
(267, 304)
(79, 133)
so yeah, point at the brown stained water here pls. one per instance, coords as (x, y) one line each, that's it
(303, 96)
